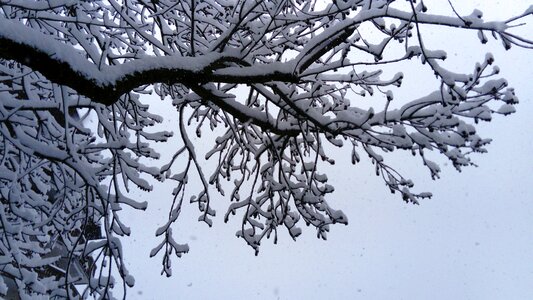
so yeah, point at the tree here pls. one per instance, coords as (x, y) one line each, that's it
(278, 80)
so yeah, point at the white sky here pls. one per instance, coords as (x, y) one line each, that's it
(473, 240)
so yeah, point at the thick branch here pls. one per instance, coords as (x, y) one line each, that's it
(64, 65)
(245, 114)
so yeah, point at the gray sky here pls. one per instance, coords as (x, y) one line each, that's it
(473, 240)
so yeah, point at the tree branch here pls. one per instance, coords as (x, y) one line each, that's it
(65, 65)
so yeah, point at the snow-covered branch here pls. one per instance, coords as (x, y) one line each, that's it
(276, 80)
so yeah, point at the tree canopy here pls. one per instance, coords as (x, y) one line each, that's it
(277, 80)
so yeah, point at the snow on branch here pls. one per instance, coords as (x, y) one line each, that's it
(277, 81)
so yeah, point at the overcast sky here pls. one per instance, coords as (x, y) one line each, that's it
(473, 240)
